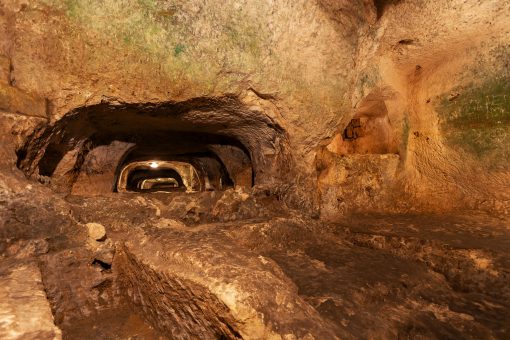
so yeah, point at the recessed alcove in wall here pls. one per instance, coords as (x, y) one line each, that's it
(359, 166)
(369, 131)
(227, 145)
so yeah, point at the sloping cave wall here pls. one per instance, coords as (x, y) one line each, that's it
(450, 92)
(438, 72)
(99, 169)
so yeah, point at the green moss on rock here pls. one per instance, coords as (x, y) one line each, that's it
(178, 49)
(478, 120)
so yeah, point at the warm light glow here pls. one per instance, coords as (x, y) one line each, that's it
(154, 165)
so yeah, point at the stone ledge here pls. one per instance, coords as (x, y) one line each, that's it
(14, 100)
(24, 310)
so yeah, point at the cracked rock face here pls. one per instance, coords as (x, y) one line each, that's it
(254, 170)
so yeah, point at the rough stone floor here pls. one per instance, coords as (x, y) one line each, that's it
(185, 273)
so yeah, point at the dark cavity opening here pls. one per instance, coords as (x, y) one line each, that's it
(382, 5)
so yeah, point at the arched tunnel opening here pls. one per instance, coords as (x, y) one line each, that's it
(145, 178)
(110, 147)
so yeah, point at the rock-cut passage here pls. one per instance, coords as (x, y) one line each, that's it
(226, 169)
(205, 144)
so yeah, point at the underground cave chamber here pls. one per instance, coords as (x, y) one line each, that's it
(254, 170)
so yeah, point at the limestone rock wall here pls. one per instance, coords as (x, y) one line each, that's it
(439, 72)
(433, 74)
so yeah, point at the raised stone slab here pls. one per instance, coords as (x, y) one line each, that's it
(24, 310)
(203, 286)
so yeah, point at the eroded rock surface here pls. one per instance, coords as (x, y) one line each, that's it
(271, 277)
(24, 310)
(258, 170)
